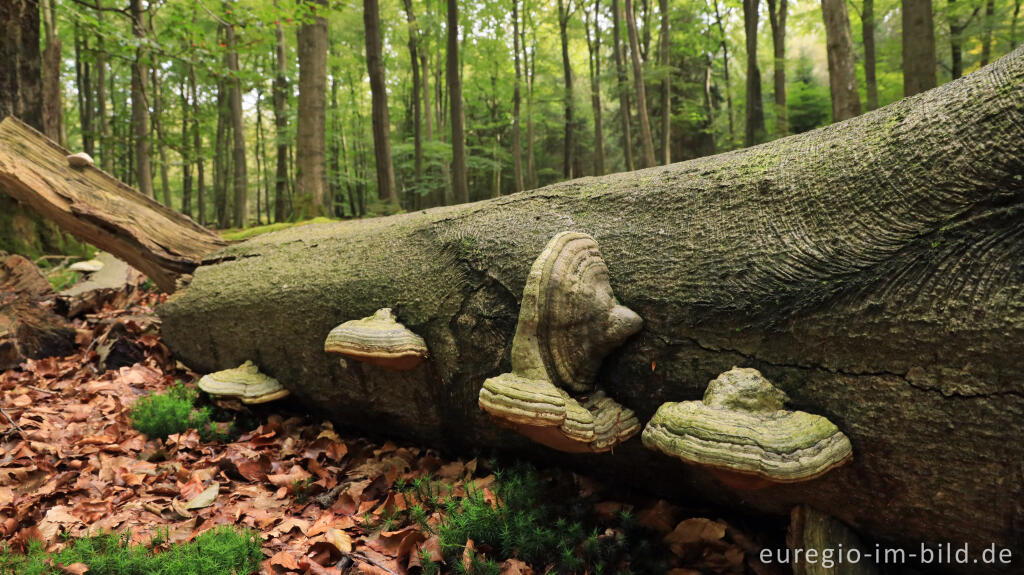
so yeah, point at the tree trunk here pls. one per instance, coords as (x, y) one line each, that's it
(725, 69)
(842, 70)
(918, 47)
(646, 141)
(956, 39)
(460, 185)
(417, 102)
(98, 209)
(280, 89)
(755, 130)
(83, 85)
(867, 18)
(311, 133)
(197, 147)
(158, 130)
(531, 76)
(777, 10)
(221, 160)
(140, 103)
(594, 50)
(53, 101)
(847, 309)
(240, 205)
(665, 52)
(386, 190)
(622, 88)
(517, 156)
(986, 42)
(569, 139)
(188, 152)
(106, 145)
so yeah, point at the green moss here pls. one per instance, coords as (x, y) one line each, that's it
(219, 551)
(164, 414)
(236, 234)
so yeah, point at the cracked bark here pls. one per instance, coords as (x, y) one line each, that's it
(871, 269)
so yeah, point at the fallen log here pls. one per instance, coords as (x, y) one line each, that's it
(872, 270)
(28, 328)
(97, 208)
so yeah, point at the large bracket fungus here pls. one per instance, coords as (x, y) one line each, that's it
(378, 340)
(244, 382)
(569, 320)
(745, 437)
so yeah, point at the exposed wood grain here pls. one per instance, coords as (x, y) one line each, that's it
(97, 208)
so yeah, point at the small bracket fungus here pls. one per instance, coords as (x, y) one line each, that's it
(378, 340)
(244, 382)
(743, 434)
(569, 320)
(80, 160)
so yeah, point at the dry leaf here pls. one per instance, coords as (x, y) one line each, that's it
(204, 499)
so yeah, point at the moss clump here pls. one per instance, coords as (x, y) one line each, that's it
(239, 234)
(219, 551)
(533, 520)
(163, 414)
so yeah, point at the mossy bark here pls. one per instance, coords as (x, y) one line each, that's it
(871, 269)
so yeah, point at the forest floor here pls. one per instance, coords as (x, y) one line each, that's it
(71, 464)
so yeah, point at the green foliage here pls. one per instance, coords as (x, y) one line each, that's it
(533, 521)
(163, 414)
(219, 551)
(809, 103)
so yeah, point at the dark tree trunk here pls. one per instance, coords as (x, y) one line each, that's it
(386, 190)
(725, 68)
(140, 103)
(188, 152)
(569, 139)
(53, 104)
(240, 204)
(158, 131)
(956, 39)
(867, 19)
(417, 102)
(755, 130)
(83, 82)
(280, 89)
(197, 147)
(221, 161)
(106, 145)
(622, 87)
(842, 71)
(777, 11)
(460, 185)
(847, 309)
(646, 140)
(986, 42)
(311, 134)
(918, 47)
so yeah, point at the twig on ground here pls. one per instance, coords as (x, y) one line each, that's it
(20, 431)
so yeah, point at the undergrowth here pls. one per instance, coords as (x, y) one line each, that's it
(162, 414)
(219, 551)
(533, 520)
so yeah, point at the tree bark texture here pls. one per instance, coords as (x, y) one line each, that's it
(646, 140)
(386, 191)
(460, 182)
(842, 70)
(96, 208)
(311, 131)
(918, 47)
(872, 269)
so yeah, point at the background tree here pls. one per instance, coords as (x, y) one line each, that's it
(386, 191)
(918, 47)
(841, 70)
(755, 130)
(777, 12)
(646, 141)
(311, 137)
(460, 185)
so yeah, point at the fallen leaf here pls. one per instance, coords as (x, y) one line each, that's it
(659, 518)
(515, 567)
(204, 499)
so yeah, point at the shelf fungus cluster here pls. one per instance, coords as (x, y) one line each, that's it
(244, 382)
(378, 340)
(568, 322)
(742, 433)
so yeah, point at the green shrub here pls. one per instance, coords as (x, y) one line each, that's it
(163, 414)
(219, 551)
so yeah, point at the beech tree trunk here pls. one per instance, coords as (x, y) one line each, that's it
(53, 104)
(594, 51)
(240, 178)
(460, 183)
(755, 130)
(842, 71)
(569, 139)
(918, 47)
(517, 155)
(867, 18)
(646, 140)
(622, 87)
(280, 89)
(140, 104)
(311, 130)
(417, 86)
(386, 190)
(665, 56)
(777, 12)
(897, 312)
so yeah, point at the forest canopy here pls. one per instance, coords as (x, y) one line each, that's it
(239, 112)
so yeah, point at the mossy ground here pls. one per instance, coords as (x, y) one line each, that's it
(162, 414)
(239, 234)
(219, 551)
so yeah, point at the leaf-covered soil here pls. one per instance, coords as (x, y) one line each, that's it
(322, 501)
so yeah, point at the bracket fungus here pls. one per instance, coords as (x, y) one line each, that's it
(80, 160)
(378, 340)
(244, 382)
(568, 321)
(743, 434)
